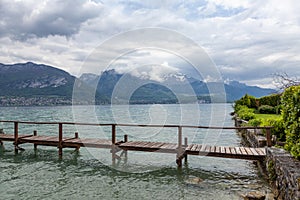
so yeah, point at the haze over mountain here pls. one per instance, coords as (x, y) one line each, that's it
(172, 87)
(38, 84)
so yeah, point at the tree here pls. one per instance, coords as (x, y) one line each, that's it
(291, 117)
(283, 81)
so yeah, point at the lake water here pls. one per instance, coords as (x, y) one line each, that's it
(89, 173)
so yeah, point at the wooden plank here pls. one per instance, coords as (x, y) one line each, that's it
(218, 149)
(212, 149)
(148, 144)
(170, 146)
(155, 145)
(165, 146)
(189, 147)
(253, 151)
(248, 151)
(199, 148)
(203, 148)
(244, 152)
(194, 147)
(174, 146)
(227, 149)
(207, 149)
(261, 151)
(137, 144)
(238, 151)
(232, 149)
(158, 144)
(223, 150)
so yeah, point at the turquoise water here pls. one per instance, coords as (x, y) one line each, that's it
(90, 174)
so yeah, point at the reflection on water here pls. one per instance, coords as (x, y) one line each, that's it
(89, 174)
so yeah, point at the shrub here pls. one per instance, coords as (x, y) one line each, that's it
(255, 122)
(291, 117)
(277, 124)
(266, 109)
(245, 113)
(271, 100)
(278, 128)
(246, 100)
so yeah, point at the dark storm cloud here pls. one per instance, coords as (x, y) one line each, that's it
(23, 19)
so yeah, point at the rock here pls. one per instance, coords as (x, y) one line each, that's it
(194, 181)
(254, 196)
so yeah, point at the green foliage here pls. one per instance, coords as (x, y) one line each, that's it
(291, 117)
(245, 113)
(247, 100)
(271, 100)
(255, 122)
(276, 123)
(266, 109)
(278, 128)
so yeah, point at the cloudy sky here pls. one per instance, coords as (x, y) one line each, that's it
(247, 40)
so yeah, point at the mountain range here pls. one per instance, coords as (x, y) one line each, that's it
(38, 84)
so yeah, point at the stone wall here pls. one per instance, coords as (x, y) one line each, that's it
(282, 170)
(253, 138)
(284, 173)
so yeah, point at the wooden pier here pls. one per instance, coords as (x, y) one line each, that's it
(180, 149)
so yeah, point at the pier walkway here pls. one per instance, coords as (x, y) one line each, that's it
(182, 149)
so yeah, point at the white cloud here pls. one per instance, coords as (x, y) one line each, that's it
(248, 40)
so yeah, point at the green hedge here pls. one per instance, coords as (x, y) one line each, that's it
(271, 100)
(277, 124)
(266, 109)
(246, 100)
(291, 117)
(245, 113)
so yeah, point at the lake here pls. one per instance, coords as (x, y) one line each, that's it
(89, 173)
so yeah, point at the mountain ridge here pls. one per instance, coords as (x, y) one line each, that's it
(39, 84)
(183, 86)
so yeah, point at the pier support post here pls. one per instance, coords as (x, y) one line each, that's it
(179, 149)
(35, 134)
(16, 135)
(60, 137)
(76, 137)
(113, 142)
(125, 151)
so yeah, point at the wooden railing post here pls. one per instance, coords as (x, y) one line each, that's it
(268, 136)
(113, 134)
(60, 137)
(16, 135)
(35, 134)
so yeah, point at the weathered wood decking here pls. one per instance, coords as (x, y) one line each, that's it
(181, 150)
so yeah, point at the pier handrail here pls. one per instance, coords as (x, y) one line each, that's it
(141, 125)
(180, 150)
(114, 125)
